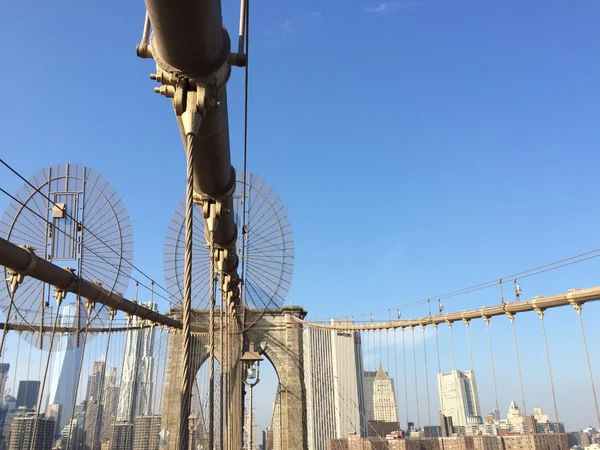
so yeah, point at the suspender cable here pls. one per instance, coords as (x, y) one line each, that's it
(186, 389)
(587, 357)
(396, 377)
(541, 314)
(412, 329)
(244, 20)
(33, 440)
(405, 378)
(487, 324)
(387, 343)
(512, 322)
(437, 347)
(221, 365)
(426, 378)
(15, 280)
(100, 396)
(211, 349)
(380, 352)
(85, 337)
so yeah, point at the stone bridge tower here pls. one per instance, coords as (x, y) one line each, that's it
(279, 336)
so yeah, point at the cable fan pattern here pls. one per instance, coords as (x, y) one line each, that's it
(71, 216)
(265, 248)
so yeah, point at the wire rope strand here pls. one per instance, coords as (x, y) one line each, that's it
(85, 336)
(100, 400)
(380, 352)
(187, 299)
(245, 164)
(396, 377)
(211, 347)
(487, 324)
(587, 357)
(514, 332)
(222, 362)
(437, 347)
(541, 314)
(42, 388)
(405, 377)
(5, 330)
(412, 329)
(426, 379)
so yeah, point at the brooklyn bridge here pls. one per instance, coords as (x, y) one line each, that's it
(100, 353)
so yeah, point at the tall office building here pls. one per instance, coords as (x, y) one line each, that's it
(334, 385)
(67, 363)
(459, 398)
(95, 381)
(3, 377)
(27, 395)
(369, 385)
(109, 403)
(384, 400)
(135, 390)
(21, 433)
(146, 435)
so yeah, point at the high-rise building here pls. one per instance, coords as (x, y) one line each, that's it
(53, 410)
(95, 380)
(334, 385)
(267, 439)
(514, 416)
(369, 384)
(121, 436)
(67, 363)
(21, 433)
(459, 398)
(109, 404)
(135, 391)
(146, 434)
(72, 435)
(3, 377)
(384, 401)
(27, 395)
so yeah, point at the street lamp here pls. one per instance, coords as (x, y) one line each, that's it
(251, 364)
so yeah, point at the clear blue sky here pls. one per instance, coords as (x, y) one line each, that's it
(419, 147)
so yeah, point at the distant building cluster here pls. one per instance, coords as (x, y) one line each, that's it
(352, 408)
(115, 413)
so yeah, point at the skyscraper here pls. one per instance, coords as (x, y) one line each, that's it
(135, 390)
(67, 363)
(109, 403)
(369, 389)
(95, 381)
(21, 433)
(334, 390)
(459, 398)
(28, 394)
(3, 376)
(384, 400)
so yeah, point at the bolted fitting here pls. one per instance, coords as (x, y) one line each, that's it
(164, 77)
(167, 91)
(59, 295)
(15, 279)
(90, 306)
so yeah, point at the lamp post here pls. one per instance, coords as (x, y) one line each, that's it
(251, 363)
